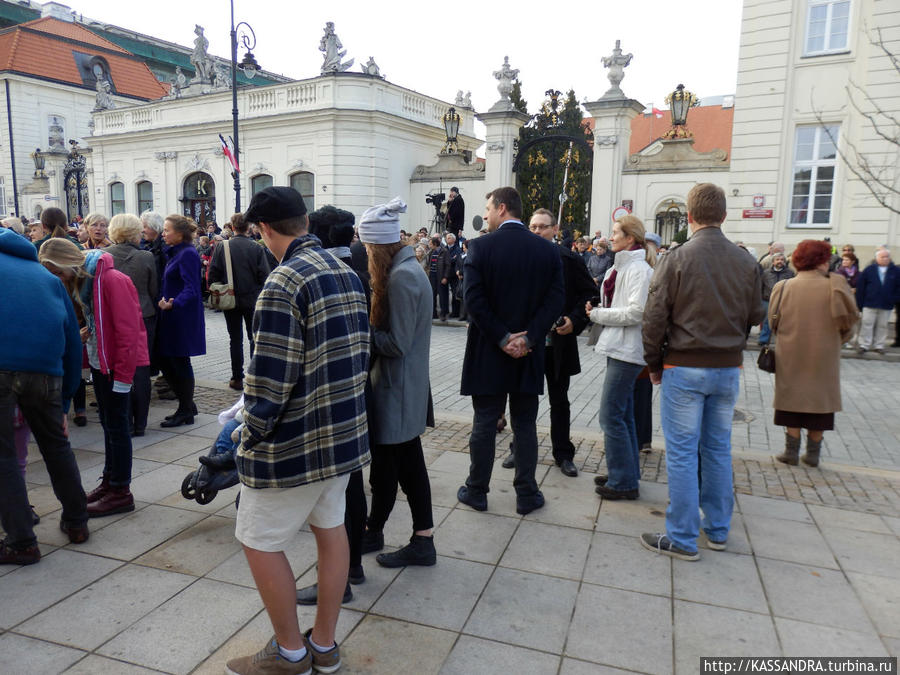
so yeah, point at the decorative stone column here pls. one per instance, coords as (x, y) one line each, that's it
(502, 124)
(612, 135)
(502, 130)
(612, 115)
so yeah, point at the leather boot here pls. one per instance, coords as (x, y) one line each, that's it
(100, 490)
(791, 454)
(811, 456)
(184, 414)
(118, 499)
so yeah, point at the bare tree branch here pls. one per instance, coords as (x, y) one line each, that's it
(877, 171)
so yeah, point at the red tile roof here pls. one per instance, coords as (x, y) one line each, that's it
(711, 126)
(44, 48)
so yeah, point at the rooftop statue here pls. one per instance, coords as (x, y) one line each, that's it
(200, 59)
(334, 52)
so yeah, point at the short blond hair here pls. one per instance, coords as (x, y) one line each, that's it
(14, 224)
(125, 228)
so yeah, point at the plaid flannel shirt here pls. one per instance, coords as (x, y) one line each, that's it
(304, 406)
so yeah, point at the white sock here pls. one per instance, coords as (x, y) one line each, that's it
(319, 649)
(292, 655)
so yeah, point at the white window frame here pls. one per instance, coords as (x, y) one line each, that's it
(827, 49)
(113, 201)
(309, 198)
(814, 165)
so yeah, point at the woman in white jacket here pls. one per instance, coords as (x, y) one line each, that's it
(624, 294)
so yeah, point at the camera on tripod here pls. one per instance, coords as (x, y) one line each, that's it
(435, 199)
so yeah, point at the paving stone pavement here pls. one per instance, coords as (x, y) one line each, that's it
(811, 566)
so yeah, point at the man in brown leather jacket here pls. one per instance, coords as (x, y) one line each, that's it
(704, 296)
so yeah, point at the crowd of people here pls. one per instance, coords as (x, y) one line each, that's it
(339, 317)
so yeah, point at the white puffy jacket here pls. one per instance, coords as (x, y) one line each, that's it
(621, 334)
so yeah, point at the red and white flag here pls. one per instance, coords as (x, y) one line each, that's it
(657, 112)
(229, 153)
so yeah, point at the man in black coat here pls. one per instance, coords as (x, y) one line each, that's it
(561, 361)
(514, 293)
(456, 212)
(249, 269)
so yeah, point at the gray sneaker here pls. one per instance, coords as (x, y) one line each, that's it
(269, 661)
(323, 662)
(660, 543)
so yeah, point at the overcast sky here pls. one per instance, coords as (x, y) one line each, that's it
(437, 51)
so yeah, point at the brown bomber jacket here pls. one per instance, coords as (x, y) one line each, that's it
(704, 296)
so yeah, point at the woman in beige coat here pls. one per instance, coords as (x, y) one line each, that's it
(811, 315)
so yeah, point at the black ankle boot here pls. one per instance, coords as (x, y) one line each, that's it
(419, 551)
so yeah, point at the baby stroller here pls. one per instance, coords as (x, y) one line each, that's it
(218, 470)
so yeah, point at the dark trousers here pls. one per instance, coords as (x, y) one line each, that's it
(355, 516)
(897, 325)
(643, 410)
(79, 400)
(483, 440)
(180, 375)
(140, 391)
(113, 408)
(558, 393)
(402, 464)
(454, 284)
(442, 292)
(39, 397)
(233, 320)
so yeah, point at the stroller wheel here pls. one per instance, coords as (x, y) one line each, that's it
(188, 490)
(206, 497)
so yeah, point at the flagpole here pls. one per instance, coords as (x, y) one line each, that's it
(234, 115)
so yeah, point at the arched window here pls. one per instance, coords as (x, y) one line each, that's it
(116, 198)
(144, 196)
(200, 198)
(260, 182)
(304, 182)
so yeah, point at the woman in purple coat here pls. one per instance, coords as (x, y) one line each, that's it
(182, 331)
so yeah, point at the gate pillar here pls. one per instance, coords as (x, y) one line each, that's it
(612, 135)
(502, 131)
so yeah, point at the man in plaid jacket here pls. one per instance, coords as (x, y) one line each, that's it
(305, 430)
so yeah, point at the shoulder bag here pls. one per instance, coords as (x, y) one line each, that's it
(221, 296)
(766, 359)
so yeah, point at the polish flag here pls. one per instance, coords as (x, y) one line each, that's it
(657, 112)
(229, 154)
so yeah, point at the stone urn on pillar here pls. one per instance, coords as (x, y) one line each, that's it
(502, 122)
(612, 115)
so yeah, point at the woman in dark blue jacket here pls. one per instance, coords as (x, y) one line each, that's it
(182, 331)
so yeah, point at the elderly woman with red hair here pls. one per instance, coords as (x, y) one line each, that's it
(812, 315)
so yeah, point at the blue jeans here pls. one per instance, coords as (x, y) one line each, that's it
(113, 408)
(623, 459)
(765, 333)
(39, 397)
(697, 408)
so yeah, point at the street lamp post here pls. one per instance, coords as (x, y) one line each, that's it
(680, 101)
(249, 66)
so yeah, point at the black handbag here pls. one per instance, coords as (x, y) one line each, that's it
(766, 359)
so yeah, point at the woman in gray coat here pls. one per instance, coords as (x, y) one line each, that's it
(140, 267)
(402, 304)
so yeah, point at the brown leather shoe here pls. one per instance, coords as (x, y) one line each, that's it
(117, 500)
(98, 491)
(78, 534)
(19, 556)
(237, 385)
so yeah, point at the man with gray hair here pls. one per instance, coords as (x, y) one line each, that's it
(774, 249)
(877, 291)
(152, 224)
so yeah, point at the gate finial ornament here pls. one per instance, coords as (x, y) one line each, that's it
(616, 63)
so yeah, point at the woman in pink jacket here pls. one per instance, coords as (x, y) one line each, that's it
(116, 344)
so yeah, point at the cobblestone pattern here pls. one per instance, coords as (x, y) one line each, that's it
(867, 432)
